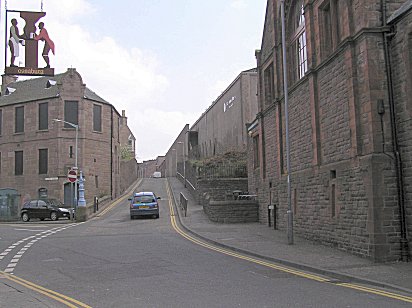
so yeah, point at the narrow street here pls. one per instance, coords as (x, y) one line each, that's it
(113, 261)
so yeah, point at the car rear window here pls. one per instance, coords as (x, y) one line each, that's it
(143, 199)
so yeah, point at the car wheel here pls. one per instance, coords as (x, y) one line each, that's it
(131, 217)
(41, 219)
(25, 217)
(157, 216)
(53, 216)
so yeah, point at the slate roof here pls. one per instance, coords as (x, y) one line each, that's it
(399, 12)
(35, 89)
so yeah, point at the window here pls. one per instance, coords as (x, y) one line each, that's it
(71, 151)
(256, 160)
(1, 121)
(97, 118)
(19, 120)
(329, 27)
(71, 113)
(269, 84)
(43, 116)
(300, 43)
(43, 161)
(18, 162)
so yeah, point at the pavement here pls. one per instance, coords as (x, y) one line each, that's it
(259, 240)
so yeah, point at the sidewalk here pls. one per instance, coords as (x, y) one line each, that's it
(262, 241)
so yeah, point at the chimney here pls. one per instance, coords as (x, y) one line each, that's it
(124, 118)
(6, 80)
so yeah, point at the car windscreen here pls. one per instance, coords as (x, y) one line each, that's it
(143, 199)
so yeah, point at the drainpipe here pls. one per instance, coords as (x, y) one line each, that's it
(404, 242)
(111, 154)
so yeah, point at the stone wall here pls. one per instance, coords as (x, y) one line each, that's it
(233, 211)
(219, 189)
(128, 174)
(401, 56)
(343, 179)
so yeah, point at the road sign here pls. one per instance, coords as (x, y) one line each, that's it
(72, 175)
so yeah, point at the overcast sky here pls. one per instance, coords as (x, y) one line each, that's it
(163, 61)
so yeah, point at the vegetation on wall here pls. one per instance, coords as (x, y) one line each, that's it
(229, 164)
(125, 153)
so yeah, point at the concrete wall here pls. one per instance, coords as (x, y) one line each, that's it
(222, 127)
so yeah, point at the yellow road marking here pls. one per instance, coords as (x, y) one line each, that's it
(68, 301)
(272, 265)
(376, 291)
(111, 206)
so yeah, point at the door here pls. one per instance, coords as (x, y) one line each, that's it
(43, 210)
(68, 194)
(33, 210)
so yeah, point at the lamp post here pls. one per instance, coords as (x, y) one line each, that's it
(184, 161)
(285, 90)
(75, 154)
(175, 161)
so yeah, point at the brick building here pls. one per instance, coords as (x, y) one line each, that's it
(349, 124)
(36, 152)
(148, 167)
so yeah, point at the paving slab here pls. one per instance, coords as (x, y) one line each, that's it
(260, 240)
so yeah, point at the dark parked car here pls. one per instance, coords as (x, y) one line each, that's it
(44, 208)
(144, 204)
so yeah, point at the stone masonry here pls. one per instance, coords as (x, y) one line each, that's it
(343, 170)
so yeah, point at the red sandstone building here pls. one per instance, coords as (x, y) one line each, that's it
(37, 152)
(349, 67)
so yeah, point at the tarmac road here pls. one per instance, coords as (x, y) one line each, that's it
(113, 261)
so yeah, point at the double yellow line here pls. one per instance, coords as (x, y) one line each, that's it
(66, 300)
(272, 265)
(111, 206)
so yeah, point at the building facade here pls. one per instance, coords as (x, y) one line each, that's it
(347, 186)
(36, 151)
(221, 128)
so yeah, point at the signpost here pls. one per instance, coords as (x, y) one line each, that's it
(72, 175)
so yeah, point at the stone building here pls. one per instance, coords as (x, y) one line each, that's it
(128, 162)
(349, 75)
(36, 152)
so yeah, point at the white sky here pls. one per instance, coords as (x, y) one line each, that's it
(163, 61)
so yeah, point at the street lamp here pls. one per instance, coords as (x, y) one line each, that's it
(175, 161)
(75, 154)
(285, 90)
(184, 161)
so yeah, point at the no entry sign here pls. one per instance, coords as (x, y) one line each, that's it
(72, 176)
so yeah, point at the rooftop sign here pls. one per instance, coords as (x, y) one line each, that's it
(26, 41)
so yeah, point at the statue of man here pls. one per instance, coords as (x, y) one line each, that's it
(14, 39)
(48, 43)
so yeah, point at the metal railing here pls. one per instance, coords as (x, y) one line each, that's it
(183, 203)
